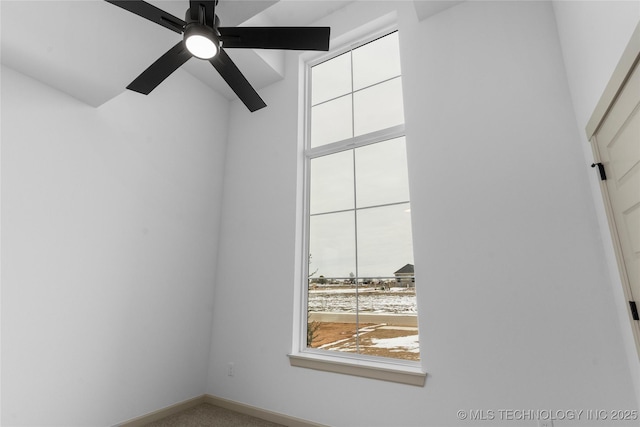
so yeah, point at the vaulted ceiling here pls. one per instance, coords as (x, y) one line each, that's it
(92, 50)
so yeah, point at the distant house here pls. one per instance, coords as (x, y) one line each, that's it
(405, 276)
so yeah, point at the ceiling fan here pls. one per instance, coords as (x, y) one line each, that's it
(205, 39)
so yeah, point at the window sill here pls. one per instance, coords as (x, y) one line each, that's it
(387, 371)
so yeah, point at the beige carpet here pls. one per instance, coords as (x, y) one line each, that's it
(206, 415)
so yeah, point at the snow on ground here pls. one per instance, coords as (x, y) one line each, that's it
(408, 343)
(351, 290)
(340, 300)
(347, 299)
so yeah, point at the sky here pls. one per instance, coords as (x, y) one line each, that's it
(359, 198)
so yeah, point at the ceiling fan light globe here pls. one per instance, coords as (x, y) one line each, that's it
(201, 47)
(201, 42)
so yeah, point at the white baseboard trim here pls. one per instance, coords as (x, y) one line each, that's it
(163, 413)
(242, 408)
(264, 414)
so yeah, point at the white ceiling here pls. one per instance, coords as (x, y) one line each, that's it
(92, 50)
(425, 9)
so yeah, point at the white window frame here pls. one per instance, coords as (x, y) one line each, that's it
(388, 369)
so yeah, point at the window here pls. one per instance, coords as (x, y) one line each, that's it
(360, 284)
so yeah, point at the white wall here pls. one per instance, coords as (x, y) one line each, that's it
(593, 35)
(110, 220)
(515, 307)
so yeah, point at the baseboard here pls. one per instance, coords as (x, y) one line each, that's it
(164, 412)
(264, 414)
(242, 408)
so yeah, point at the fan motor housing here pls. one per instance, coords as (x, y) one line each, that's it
(188, 20)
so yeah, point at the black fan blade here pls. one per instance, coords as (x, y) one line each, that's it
(236, 80)
(209, 10)
(152, 13)
(161, 69)
(291, 38)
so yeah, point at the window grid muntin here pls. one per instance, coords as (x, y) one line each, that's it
(352, 92)
(383, 205)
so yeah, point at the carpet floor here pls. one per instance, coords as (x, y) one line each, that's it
(206, 415)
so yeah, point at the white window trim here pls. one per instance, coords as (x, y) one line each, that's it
(361, 367)
(380, 368)
(355, 142)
